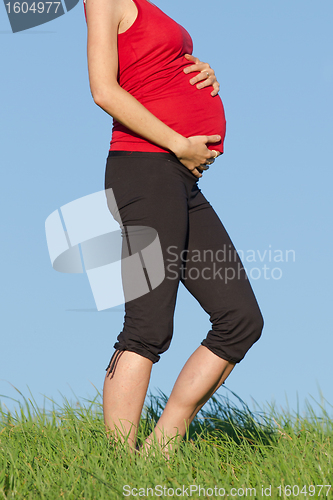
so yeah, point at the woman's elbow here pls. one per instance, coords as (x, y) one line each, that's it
(99, 98)
(104, 95)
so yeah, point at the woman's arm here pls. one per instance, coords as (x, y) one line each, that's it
(103, 19)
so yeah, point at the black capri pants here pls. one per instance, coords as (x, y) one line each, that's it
(156, 190)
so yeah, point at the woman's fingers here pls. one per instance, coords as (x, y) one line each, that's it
(205, 78)
(194, 59)
(213, 138)
(205, 72)
(216, 87)
(196, 171)
(215, 154)
(195, 154)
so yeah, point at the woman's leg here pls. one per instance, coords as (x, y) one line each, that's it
(214, 275)
(201, 376)
(153, 191)
(124, 393)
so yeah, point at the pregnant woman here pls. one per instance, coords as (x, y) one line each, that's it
(168, 127)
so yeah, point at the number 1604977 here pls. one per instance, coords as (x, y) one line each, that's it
(312, 490)
(35, 7)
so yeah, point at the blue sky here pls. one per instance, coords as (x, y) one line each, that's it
(271, 189)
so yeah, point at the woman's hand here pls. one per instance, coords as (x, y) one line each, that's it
(206, 77)
(194, 154)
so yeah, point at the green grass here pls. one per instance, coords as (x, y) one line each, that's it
(64, 453)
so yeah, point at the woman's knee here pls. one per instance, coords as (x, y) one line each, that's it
(256, 322)
(234, 332)
(249, 324)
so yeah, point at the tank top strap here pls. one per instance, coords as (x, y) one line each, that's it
(144, 3)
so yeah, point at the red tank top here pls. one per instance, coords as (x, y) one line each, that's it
(151, 62)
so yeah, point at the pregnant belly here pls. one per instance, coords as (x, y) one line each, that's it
(194, 112)
(184, 108)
